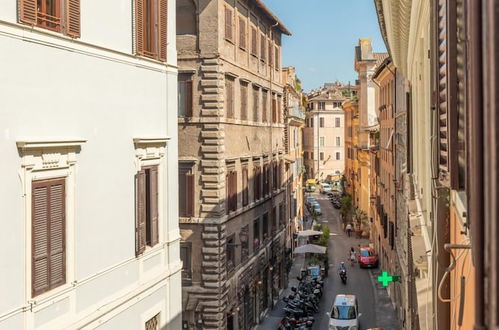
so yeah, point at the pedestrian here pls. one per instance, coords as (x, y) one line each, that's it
(353, 256)
(349, 230)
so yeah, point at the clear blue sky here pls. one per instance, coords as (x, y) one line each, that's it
(325, 33)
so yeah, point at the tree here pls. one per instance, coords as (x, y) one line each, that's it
(346, 207)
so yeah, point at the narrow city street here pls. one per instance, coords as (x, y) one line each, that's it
(374, 303)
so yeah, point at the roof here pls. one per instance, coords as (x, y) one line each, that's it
(380, 57)
(379, 68)
(344, 299)
(272, 17)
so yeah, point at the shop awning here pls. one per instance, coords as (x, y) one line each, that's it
(309, 232)
(310, 248)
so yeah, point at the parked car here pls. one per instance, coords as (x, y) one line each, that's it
(309, 201)
(344, 313)
(325, 188)
(310, 188)
(316, 208)
(368, 258)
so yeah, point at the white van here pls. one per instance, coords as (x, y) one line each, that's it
(325, 188)
(344, 313)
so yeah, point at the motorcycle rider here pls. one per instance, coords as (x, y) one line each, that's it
(342, 267)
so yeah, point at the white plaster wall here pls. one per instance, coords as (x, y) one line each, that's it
(56, 88)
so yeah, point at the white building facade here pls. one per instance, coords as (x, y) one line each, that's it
(89, 165)
(324, 136)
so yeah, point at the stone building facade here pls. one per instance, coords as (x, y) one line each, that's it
(324, 135)
(351, 108)
(232, 171)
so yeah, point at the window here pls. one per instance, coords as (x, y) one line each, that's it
(266, 179)
(229, 97)
(245, 186)
(311, 122)
(337, 122)
(311, 105)
(277, 57)
(186, 192)
(228, 23)
(255, 103)
(305, 155)
(279, 108)
(231, 190)
(244, 101)
(265, 226)
(48, 254)
(146, 200)
(50, 14)
(242, 32)
(273, 220)
(244, 238)
(321, 122)
(185, 256)
(274, 109)
(153, 323)
(271, 59)
(263, 49)
(322, 105)
(321, 141)
(321, 156)
(257, 185)
(150, 28)
(338, 157)
(254, 42)
(338, 141)
(256, 234)
(184, 95)
(230, 253)
(282, 217)
(264, 106)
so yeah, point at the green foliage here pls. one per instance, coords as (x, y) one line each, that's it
(321, 259)
(346, 206)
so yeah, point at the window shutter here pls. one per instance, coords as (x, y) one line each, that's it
(190, 189)
(242, 33)
(446, 90)
(140, 212)
(163, 24)
(274, 111)
(153, 191)
(262, 47)
(228, 23)
(27, 11)
(139, 27)
(255, 104)
(245, 186)
(40, 240)
(57, 234)
(244, 102)
(73, 18)
(48, 236)
(253, 41)
(188, 98)
(271, 62)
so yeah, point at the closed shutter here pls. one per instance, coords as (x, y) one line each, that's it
(228, 23)
(253, 41)
(229, 94)
(277, 57)
(244, 102)
(48, 235)
(262, 47)
(245, 186)
(140, 212)
(153, 204)
(264, 107)
(242, 33)
(234, 190)
(271, 62)
(274, 110)
(446, 90)
(139, 27)
(73, 18)
(255, 104)
(163, 31)
(188, 98)
(27, 11)
(189, 198)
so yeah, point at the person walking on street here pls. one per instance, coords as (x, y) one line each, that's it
(349, 230)
(353, 256)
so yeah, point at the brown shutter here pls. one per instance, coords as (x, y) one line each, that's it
(253, 41)
(73, 18)
(271, 62)
(153, 193)
(27, 11)
(188, 98)
(139, 27)
(140, 212)
(245, 186)
(163, 24)
(228, 23)
(244, 102)
(262, 47)
(274, 110)
(242, 33)
(189, 198)
(48, 235)
(40, 239)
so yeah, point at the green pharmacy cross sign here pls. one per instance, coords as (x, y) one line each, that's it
(385, 278)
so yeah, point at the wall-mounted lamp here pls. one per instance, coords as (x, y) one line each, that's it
(259, 282)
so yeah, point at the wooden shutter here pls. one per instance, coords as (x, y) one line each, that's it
(189, 198)
(271, 62)
(229, 95)
(264, 106)
(228, 23)
(255, 104)
(262, 47)
(277, 57)
(27, 11)
(163, 28)
(139, 27)
(48, 235)
(446, 90)
(140, 212)
(245, 186)
(188, 98)
(244, 102)
(153, 205)
(253, 41)
(274, 110)
(242, 33)
(73, 18)
(234, 190)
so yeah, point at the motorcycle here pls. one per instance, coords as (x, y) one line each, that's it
(343, 276)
